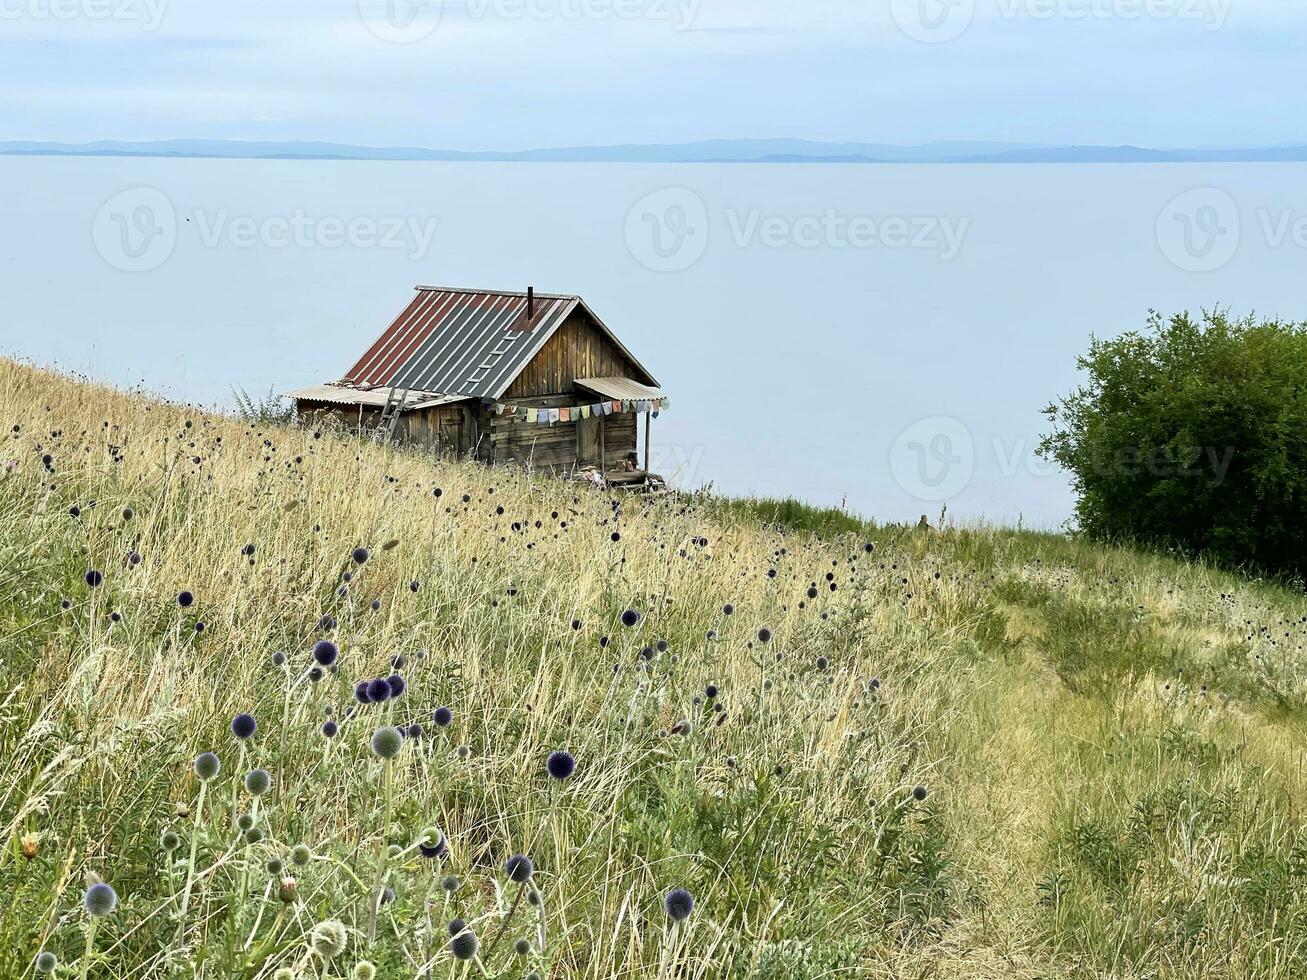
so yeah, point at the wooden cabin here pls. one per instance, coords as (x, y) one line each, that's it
(531, 378)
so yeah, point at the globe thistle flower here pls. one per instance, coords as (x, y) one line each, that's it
(361, 692)
(364, 970)
(328, 939)
(463, 751)
(283, 973)
(710, 691)
(248, 550)
(258, 782)
(918, 793)
(93, 578)
(325, 652)
(185, 599)
(207, 766)
(630, 617)
(275, 866)
(728, 610)
(764, 635)
(100, 899)
(46, 962)
(378, 690)
(169, 840)
(397, 685)
(442, 716)
(253, 835)
(315, 674)
(134, 558)
(463, 944)
(678, 903)
(375, 604)
(360, 555)
(330, 728)
(243, 726)
(449, 883)
(519, 868)
(432, 844)
(245, 822)
(300, 855)
(560, 764)
(387, 741)
(822, 663)
(522, 947)
(415, 730)
(278, 658)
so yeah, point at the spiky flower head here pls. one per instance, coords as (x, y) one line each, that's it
(560, 764)
(679, 903)
(185, 599)
(243, 726)
(328, 939)
(360, 555)
(100, 899)
(519, 868)
(464, 943)
(442, 716)
(300, 855)
(363, 970)
(325, 652)
(169, 840)
(258, 782)
(449, 883)
(918, 793)
(387, 741)
(46, 961)
(207, 765)
(630, 617)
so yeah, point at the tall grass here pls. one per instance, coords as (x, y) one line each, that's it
(1107, 744)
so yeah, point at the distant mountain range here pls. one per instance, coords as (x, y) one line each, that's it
(704, 151)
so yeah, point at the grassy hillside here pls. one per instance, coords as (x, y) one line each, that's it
(1110, 745)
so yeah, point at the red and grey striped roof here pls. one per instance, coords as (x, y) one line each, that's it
(467, 342)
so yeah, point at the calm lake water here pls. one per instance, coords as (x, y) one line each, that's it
(880, 335)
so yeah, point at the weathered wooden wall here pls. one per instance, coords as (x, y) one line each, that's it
(554, 448)
(578, 349)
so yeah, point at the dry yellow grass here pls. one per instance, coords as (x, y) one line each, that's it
(1091, 810)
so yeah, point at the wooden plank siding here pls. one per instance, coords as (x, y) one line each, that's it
(578, 349)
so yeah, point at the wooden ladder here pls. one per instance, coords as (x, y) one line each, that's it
(385, 430)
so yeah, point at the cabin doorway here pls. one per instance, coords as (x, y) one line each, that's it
(451, 435)
(587, 440)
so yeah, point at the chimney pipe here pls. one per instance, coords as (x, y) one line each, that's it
(530, 303)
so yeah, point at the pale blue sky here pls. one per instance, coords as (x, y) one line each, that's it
(503, 74)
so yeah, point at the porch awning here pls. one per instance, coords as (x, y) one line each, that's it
(619, 389)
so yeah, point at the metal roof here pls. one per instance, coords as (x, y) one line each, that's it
(621, 389)
(467, 342)
(371, 397)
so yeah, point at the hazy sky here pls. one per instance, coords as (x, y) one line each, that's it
(503, 74)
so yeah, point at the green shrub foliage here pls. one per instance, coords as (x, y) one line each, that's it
(1192, 435)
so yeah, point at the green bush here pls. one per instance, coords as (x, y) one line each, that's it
(1192, 435)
